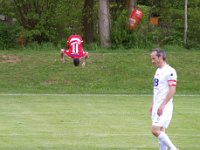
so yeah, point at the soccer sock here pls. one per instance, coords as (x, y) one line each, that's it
(164, 139)
(162, 146)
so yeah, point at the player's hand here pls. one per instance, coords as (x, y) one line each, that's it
(150, 110)
(160, 110)
(83, 64)
(62, 60)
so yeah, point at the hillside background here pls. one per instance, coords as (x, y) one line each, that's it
(33, 31)
(120, 72)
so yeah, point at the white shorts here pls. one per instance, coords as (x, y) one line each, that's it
(165, 118)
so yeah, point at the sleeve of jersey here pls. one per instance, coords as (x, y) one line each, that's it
(172, 78)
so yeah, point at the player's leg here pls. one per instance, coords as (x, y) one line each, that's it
(156, 132)
(167, 116)
(165, 140)
(162, 145)
(66, 53)
(159, 125)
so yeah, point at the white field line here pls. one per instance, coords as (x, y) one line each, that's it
(92, 134)
(89, 113)
(88, 95)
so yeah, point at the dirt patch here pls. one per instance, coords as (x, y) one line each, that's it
(9, 59)
(67, 82)
(53, 82)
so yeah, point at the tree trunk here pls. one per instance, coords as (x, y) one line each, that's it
(132, 5)
(88, 21)
(104, 23)
(186, 24)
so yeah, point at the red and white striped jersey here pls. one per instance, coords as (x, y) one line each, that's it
(75, 47)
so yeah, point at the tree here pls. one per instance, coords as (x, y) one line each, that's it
(186, 23)
(132, 4)
(88, 21)
(37, 19)
(104, 23)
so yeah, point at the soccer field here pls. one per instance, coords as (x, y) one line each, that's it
(92, 122)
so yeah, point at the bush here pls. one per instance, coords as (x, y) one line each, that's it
(8, 34)
(121, 36)
(193, 40)
(170, 29)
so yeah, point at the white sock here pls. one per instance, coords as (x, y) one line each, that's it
(163, 138)
(162, 146)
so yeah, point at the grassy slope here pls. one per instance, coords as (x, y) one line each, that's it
(130, 72)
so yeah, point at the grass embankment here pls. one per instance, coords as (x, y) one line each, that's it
(116, 72)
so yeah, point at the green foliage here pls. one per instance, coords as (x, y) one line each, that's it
(54, 20)
(34, 46)
(69, 17)
(7, 35)
(137, 38)
(171, 22)
(37, 19)
(6, 8)
(170, 29)
(194, 4)
(193, 28)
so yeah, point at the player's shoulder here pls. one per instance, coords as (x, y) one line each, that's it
(171, 71)
(168, 67)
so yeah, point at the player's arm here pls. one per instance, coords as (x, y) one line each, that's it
(151, 108)
(62, 55)
(172, 91)
(84, 60)
(170, 94)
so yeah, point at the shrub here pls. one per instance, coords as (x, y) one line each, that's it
(7, 35)
(137, 38)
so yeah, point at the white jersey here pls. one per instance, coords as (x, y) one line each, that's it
(163, 78)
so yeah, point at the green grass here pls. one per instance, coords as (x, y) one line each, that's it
(92, 122)
(56, 116)
(120, 71)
